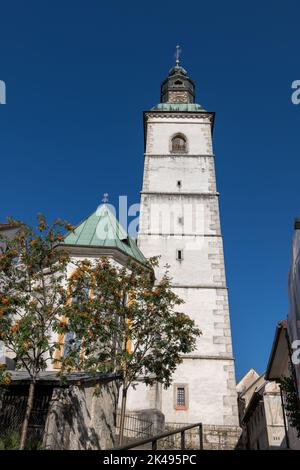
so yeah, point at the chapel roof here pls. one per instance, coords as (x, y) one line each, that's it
(102, 229)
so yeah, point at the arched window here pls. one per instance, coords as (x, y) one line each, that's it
(179, 144)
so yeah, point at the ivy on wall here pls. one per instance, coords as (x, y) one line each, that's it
(291, 402)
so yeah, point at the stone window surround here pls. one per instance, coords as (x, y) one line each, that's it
(179, 134)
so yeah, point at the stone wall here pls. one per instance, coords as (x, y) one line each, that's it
(154, 416)
(80, 420)
(214, 437)
(220, 437)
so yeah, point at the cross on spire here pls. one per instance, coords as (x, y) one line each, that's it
(177, 54)
(105, 198)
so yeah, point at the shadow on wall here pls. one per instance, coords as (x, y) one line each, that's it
(80, 420)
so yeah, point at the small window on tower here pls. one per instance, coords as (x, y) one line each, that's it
(178, 184)
(181, 397)
(178, 82)
(179, 255)
(179, 144)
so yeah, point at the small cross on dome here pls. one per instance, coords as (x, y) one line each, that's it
(105, 198)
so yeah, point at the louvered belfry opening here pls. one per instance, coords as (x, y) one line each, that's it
(179, 144)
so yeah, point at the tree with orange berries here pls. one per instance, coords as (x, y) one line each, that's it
(117, 318)
(33, 293)
(131, 325)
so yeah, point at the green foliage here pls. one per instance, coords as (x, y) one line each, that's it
(118, 318)
(33, 292)
(291, 402)
(10, 440)
(130, 324)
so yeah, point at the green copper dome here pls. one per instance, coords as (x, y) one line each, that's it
(182, 107)
(102, 229)
(177, 69)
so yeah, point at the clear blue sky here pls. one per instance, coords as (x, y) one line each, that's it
(80, 73)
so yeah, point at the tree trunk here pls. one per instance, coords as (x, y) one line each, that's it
(27, 415)
(122, 418)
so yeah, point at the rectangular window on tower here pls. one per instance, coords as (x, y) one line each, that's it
(179, 255)
(181, 397)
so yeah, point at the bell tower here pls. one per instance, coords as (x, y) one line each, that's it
(179, 220)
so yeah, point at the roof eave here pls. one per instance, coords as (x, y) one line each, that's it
(106, 251)
(281, 328)
(51, 378)
(253, 402)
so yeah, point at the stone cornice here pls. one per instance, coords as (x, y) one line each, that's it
(197, 356)
(176, 155)
(199, 286)
(209, 117)
(180, 235)
(181, 193)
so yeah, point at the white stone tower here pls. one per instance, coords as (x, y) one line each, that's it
(179, 220)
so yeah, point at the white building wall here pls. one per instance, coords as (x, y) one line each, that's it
(71, 268)
(274, 415)
(192, 172)
(195, 127)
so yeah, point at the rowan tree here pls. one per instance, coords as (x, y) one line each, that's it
(112, 318)
(132, 326)
(33, 293)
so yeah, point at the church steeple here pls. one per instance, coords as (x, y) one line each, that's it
(178, 87)
(179, 220)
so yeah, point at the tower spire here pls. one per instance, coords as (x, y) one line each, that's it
(177, 55)
(178, 86)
